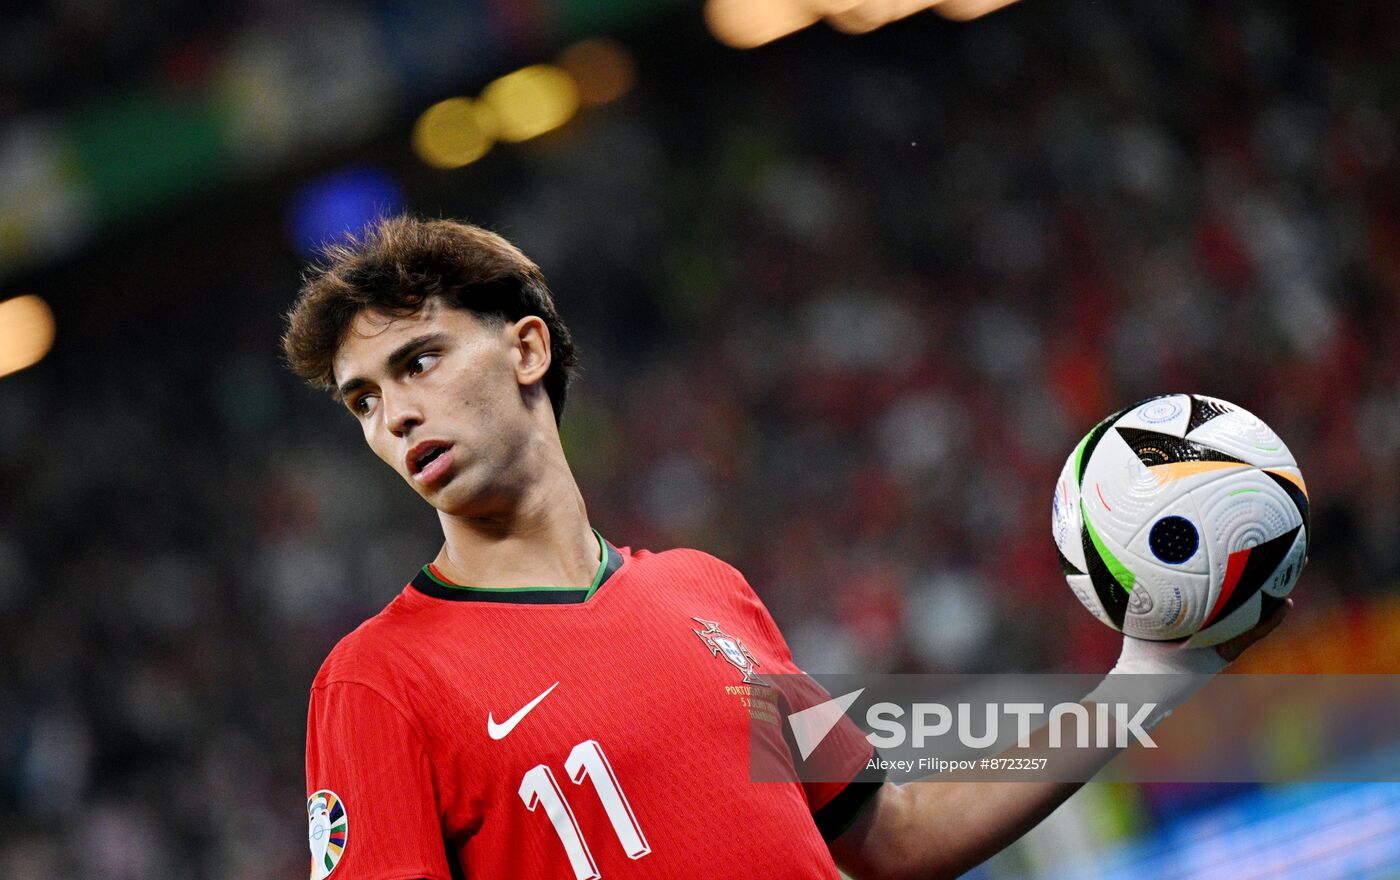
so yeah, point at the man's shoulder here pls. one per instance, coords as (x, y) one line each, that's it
(699, 575)
(374, 651)
(686, 559)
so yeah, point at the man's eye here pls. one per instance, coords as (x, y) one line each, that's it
(363, 404)
(421, 363)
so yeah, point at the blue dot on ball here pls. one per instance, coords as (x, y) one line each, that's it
(1173, 539)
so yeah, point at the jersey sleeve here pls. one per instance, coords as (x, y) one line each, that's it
(837, 778)
(371, 805)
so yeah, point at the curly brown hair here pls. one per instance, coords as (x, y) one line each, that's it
(395, 266)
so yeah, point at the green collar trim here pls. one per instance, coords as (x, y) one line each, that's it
(432, 583)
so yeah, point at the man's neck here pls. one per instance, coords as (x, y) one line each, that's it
(546, 541)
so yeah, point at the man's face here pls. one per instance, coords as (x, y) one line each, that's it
(438, 398)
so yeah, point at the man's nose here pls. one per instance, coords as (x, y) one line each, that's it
(402, 414)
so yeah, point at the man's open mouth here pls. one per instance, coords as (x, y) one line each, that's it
(427, 458)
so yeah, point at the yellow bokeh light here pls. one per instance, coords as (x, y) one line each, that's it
(454, 133)
(601, 68)
(744, 24)
(531, 101)
(26, 333)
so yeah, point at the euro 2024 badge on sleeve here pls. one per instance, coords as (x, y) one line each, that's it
(327, 827)
(730, 648)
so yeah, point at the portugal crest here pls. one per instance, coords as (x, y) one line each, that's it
(730, 648)
(326, 830)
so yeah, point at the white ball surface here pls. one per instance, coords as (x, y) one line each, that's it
(1181, 517)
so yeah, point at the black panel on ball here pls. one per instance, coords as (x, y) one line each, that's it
(1261, 564)
(1300, 501)
(1202, 411)
(1065, 565)
(1095, 435)
(1112, 595)
(1154, 448)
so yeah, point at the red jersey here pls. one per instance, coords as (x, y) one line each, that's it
(566, 733)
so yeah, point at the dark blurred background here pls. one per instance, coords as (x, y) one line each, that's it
(844, 302)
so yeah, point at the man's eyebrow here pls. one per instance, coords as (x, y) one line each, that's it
(395, 361)
(350, 387)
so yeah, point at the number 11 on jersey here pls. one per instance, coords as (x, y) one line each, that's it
(539, 788)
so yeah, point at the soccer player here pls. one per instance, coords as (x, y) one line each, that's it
(537, 701)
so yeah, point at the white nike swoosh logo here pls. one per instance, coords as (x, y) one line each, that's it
(502, 730)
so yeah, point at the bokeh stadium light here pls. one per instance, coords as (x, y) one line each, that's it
(747, 24)
(524, 104)
(531, 102)
(26, 332)
(602, 69)
(454, 132)
(966, 10)
(862, 17)
(328, 207)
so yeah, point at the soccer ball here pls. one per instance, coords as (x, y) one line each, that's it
(1181, 517)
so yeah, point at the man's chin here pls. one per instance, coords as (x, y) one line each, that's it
(466, 501)
(448, 497)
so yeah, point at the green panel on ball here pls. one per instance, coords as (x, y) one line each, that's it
(1111, 579)
(1086, 447)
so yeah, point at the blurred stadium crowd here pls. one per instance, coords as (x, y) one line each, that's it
(840, 324)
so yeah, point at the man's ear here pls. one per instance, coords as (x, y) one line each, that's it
(530, 343)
